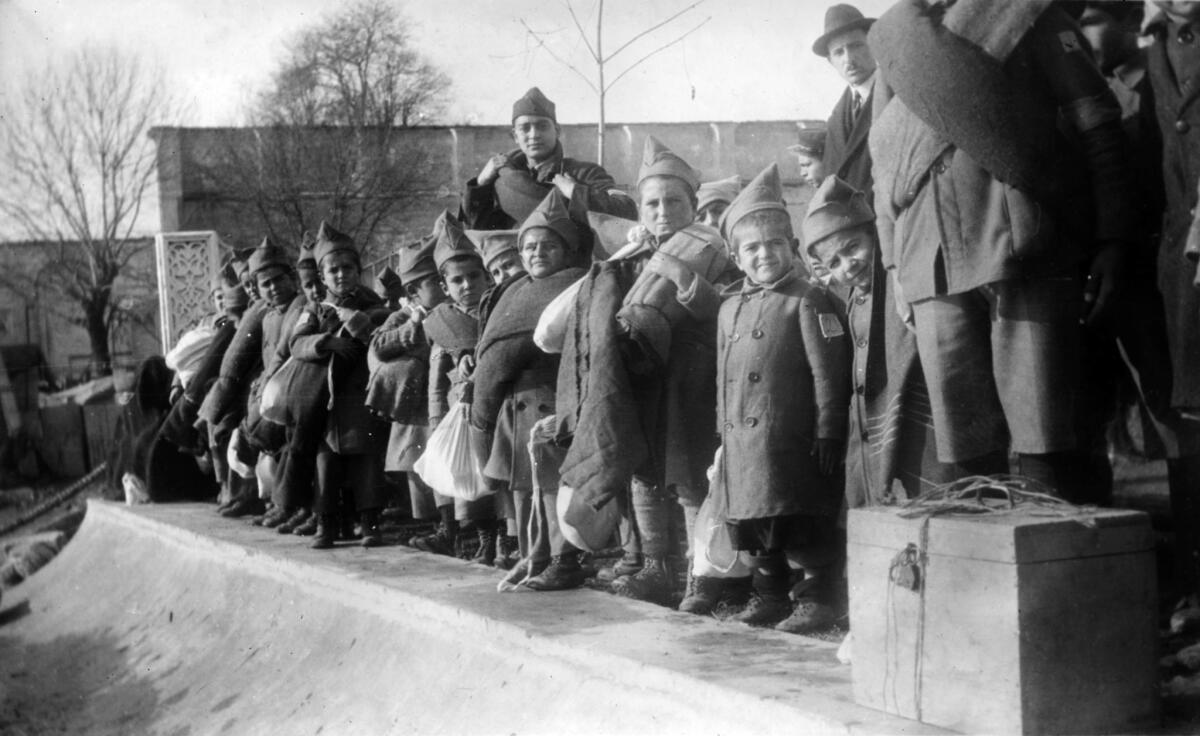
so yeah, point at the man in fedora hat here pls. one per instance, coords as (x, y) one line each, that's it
(844, 45)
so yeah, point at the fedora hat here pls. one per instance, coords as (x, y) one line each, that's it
(839, 19)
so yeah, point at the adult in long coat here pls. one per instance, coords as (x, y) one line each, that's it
(1174, 69)
(844, 45)
(511, 186)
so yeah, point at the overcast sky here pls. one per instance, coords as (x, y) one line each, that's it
(752, 60)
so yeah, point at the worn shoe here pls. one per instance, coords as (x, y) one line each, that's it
(654, 583)
(441, 542)
(765, 609)
(508, 552)
(273, 518)
(809, 616)
(523, 571)
(348, 531)
(371, 536)
(486, 555)
(297, 517)
(703, 595)
(563, 573)
(249, 506)
(630, 564)
(326, 530)
(307, 528)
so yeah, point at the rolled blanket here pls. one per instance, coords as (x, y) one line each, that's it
(651, 309)
(947, 65)
(506, 347)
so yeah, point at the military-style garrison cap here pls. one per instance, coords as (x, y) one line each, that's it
(493, 243)
(764, 192)
(308, 259)
(552, 214)
(835, 207)
(658, 160)
(534, 103)
(416, 260)
(452, 242)
(330, 241)
(390, 282)
(269, 254)
(722, 190)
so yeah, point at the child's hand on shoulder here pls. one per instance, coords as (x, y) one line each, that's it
(829, 455)
(672, 269)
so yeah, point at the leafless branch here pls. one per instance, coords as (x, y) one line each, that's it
(656, 51)
(582, 33)
(542, 44)
(651, 29)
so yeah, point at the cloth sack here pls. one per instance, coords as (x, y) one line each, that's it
(296, 381)
(448, 464)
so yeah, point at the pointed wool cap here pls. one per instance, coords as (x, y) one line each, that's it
(266, 255)
(493, 243)
(658, 160)
(835, 207)
(552, 214)
(330, 240)
(764, 192)
(452, 242)
(308, 258)
(416, 260)
(722, 190)
(812, 143)
(229, 281)
(390, 282)
(534, 103)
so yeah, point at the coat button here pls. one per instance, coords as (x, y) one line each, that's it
(735, 337)
(862, 343)
(865, 437)
(544, 409)
(520, 406)
(728, 426)
(755, 378)
(1182, 126)
(860, 300)
(751, 422)
(1186, 36)
(756, 334)
(859, 389)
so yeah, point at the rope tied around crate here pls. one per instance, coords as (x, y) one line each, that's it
(995, 495)
(974, 495)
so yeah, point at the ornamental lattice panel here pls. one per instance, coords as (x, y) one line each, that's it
(187, 264)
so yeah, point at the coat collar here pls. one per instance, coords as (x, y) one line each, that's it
(748, 286)
(543, 171)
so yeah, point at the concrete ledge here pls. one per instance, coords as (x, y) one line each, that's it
(169, 619)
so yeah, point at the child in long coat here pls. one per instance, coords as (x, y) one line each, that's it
(336, 333)
(783, 393)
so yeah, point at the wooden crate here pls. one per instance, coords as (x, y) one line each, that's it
(1023, 622)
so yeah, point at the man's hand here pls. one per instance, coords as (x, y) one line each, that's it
(903, 307)
(671, 268)
(491, 169)
(1105, 281)
(343, 347)
(565, 183)
(828, 454)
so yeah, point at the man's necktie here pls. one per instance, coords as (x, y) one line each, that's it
(855, 107)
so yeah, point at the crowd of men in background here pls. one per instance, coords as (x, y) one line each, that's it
(995, 274)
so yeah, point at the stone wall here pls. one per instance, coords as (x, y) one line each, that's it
(189, 200)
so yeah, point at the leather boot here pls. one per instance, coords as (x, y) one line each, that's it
(703, 594)
(563, 573)
(486, 555)
(347, 531)
(308, 527)
(508, 552)
(371, 536)
(655, 582)
(244, 506)
(297, 517)
(326, 531)
(441, 542)
(826, 606)
(273, 518)
(770, 604)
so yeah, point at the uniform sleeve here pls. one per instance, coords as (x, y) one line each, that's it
(828, 351)
(720, 373)
(388, 341)
(1088, 105)
(440, 365)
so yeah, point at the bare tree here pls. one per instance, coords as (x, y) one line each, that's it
(356, 67)
(78, 166)
(601, 83)
(327, 141)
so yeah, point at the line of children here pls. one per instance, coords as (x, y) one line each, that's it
(713, 339)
